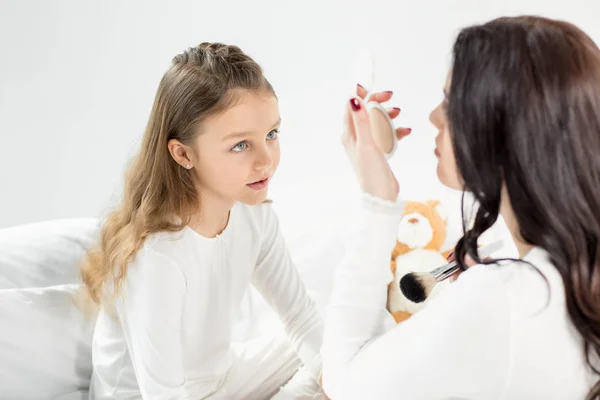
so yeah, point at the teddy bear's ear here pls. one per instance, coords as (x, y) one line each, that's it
(439, 209)
(442, 211)
(432, 203)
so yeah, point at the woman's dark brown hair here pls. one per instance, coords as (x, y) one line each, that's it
(524, 111)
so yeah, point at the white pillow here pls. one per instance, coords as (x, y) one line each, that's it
(78, 395)
(44, 254)
(45, 343)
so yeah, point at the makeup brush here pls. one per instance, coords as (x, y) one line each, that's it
(417, 286)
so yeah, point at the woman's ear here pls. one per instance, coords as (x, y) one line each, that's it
(180, 153)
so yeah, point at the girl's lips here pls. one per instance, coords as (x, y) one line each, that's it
(260, 185)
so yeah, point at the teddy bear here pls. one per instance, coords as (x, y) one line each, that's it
(421, 236)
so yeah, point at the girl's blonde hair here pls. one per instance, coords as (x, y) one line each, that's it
(159, 194)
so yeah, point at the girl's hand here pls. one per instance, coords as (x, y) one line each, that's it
(373, 171)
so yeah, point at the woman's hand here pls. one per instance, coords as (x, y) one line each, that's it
(372, 169)
(469, 262)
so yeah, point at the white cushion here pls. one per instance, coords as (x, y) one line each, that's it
(45, 343)
(44, 254)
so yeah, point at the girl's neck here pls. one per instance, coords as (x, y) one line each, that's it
(212, 216)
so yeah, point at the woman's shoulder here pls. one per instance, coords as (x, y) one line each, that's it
(506, 269)
(516, 281)
(479, 287)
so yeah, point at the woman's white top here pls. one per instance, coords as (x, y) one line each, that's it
(498, 332)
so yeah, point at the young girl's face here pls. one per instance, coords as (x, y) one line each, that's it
(237, 152)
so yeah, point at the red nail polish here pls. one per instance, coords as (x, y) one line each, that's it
(354, 104)
(409, 131)
(389, 91)
(450, 256)
(397, 108)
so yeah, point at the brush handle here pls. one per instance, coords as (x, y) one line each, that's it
(451, 268)
(445, 271)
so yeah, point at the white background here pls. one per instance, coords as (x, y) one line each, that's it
(77, 79)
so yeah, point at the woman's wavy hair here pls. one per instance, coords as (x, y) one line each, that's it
(524, 112)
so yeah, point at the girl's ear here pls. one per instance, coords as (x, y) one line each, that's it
(180, 153)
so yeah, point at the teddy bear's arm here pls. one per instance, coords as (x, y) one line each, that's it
(400, 316)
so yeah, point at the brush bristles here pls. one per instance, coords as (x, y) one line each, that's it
(417, 286)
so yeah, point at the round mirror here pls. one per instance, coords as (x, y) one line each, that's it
(382, 129)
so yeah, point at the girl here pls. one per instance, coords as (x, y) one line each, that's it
(520, 129)
(192, 232)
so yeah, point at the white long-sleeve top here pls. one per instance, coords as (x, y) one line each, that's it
(489, 335)
(172, 326)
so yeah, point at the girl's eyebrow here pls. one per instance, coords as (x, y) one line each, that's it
(241, 134)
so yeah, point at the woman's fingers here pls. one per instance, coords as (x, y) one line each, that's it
(349, 134)
(360, 117)
(361, 91)
(393, 112)
(380, 97)
(401, 133)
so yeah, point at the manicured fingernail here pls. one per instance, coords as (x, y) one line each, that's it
(409, 130)
(396, 108)
(354, 104)
(450, 255)
(359, 85)
(389, 92)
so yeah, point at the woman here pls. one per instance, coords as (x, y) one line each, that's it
(520, 129)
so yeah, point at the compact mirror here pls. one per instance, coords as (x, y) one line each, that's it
(382, 126)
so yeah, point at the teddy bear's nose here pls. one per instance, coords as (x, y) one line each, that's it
(413, 221)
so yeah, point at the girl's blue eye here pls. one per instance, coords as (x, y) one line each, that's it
(241, 146)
